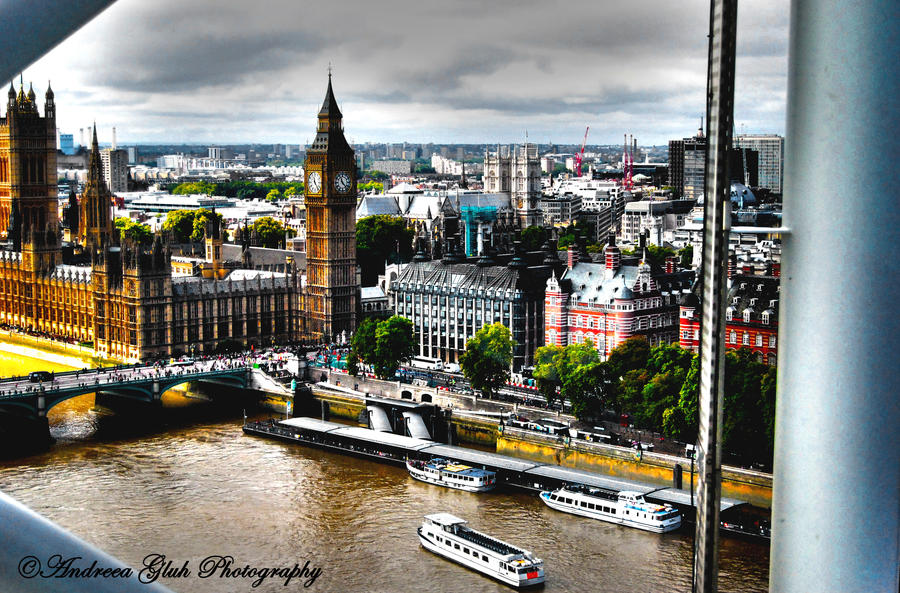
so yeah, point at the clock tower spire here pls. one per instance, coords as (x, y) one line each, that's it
(332, 287)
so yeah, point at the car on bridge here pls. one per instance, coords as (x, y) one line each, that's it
(40, 376)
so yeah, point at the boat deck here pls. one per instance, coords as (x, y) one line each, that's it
(480, 539)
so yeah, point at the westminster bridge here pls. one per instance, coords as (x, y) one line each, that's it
(25, 401)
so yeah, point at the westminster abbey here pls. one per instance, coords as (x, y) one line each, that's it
(111, 291)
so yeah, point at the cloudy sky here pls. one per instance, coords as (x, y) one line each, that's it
(222, 71)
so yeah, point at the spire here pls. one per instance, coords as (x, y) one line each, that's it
(49, 94)
(330, 106)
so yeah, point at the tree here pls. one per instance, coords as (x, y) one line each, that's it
(488, 357)
(270, 231)
(588, 387)
(363, 341)
(352, 363)
(533, 237)
(201, 217)
(394, 342)
(686, 254)
(377, 239)
(181, 224)
(135, 231)
(630, 355)
(656, 255)
(273, 196)
(545, 371)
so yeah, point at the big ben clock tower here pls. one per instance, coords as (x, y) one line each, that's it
(331, 284)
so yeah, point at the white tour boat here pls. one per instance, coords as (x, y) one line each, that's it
(452, 475)
(448, 536)
(625, 508)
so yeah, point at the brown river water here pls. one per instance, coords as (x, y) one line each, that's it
(193, 486)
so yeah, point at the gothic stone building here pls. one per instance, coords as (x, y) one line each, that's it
(126, 300)
(332, 286)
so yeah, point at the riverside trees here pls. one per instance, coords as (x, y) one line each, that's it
(382, 344)
(487, 358)
(659, 388)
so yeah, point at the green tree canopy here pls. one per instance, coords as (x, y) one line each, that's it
(363, 340)
(135, 231)
(394, 342)
(273, 196)
(655, 254)
(181, 224)
(533, 237)
(377, 240)
(201, 217)
(488, 357)
(270, 231)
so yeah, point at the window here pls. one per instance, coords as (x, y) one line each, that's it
(746, 341)
(771, 341)
(732, 337)
(759, 340)
(747, 315)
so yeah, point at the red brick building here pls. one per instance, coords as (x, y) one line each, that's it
(751, 317)
(612, 301)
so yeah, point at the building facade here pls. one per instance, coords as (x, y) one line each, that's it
(115, 169)
(450, 299)
(771, 158)
(115, 293)
(332, 286)
(608, 303)
(751, 317)
(516, 170)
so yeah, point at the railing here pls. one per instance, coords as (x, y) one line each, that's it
(33, 546)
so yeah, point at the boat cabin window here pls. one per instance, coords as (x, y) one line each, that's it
(484, 557)
(456, 546)
(465, 550)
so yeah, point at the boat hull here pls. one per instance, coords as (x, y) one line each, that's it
(601, 516)
(451, 554)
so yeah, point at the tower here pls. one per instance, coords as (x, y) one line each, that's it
(27, 166)
(331, 280)
(96, 204)
(516, 170)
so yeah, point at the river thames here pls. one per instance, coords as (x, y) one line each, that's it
(195, 486)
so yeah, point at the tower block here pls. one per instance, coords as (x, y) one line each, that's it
(332, 287)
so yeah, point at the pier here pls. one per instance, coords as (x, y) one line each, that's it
(514, 472)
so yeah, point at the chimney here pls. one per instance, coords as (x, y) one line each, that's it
(671, 263)
(114, 138)
(572, 256)
(612, 253)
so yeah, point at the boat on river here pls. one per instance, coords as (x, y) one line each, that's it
(449, 536)
(624, 508)
(442, 472)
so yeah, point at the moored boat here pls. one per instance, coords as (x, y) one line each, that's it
(442, 472)
(449, 536)
(624, 508)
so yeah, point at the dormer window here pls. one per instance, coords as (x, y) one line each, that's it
(729, 313)
(765, 318)
(747, 313)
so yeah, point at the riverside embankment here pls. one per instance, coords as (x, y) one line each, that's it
(751, 486)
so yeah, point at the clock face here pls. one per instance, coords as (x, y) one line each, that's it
(314, 182)
(342, 182)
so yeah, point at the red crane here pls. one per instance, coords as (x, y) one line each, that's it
(579, 157)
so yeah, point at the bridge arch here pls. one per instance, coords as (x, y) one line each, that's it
(426, 398)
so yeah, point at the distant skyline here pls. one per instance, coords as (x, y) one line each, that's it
(463, 72)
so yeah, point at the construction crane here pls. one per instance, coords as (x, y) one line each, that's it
(579, 157)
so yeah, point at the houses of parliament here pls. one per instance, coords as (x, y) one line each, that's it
(122, 296)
